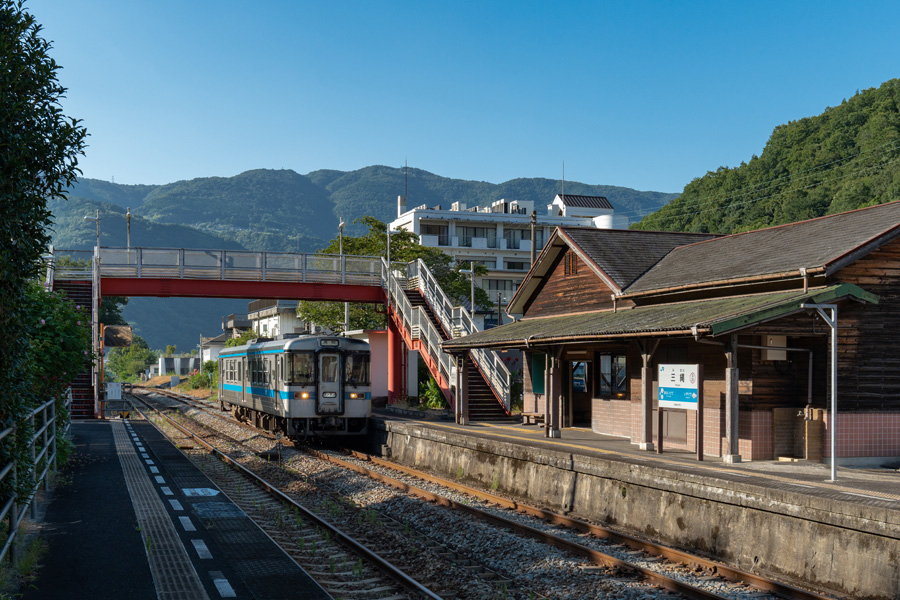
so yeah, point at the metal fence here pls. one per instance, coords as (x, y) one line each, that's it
(43, 421)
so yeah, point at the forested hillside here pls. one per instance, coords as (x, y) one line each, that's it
(847, 157)
(280, 210)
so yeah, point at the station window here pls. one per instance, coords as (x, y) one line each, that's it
(571, 263)
(611, 380)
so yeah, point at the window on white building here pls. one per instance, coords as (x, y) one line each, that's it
(466, 234)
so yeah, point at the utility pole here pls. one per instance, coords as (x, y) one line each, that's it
(533, 241)
(343, 272)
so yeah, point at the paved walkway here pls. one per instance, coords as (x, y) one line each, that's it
(136, 519)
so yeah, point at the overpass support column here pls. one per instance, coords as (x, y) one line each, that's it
(396, 383)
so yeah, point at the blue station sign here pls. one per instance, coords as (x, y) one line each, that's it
(679, 386)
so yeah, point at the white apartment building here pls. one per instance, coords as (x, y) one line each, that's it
(499, 236)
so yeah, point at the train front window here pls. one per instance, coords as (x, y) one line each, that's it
(357, 368)
(303, 372)
(330, 368)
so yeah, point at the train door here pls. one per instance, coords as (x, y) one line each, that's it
(244, 377)
(330, 397)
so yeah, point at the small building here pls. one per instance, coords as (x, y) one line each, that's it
(603, 310)
(499, 236)
(270, 318)
(211, 346)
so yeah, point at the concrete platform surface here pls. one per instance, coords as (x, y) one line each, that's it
(136, 519)
(877, 487)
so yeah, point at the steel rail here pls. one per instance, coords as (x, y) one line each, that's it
(726, 572)
(402, 578)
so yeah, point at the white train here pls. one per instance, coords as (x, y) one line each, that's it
(299, 385)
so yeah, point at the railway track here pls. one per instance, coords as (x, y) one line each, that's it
(615, 556)
(344, 566)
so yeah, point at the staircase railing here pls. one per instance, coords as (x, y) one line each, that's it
(416, 321)
(458, 322)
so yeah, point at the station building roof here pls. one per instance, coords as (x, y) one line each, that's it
(825, 244)
(712, 317)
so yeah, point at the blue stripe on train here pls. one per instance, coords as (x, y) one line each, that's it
(257, 391)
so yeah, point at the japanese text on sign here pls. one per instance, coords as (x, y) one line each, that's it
(679, 386)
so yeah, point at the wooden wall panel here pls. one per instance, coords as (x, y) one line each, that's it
(869, 335)
(564, 294)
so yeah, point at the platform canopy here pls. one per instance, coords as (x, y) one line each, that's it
(712, 317)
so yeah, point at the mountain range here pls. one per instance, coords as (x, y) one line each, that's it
(274, 210)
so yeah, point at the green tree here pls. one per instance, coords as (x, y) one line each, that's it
(244, 338)
(39, 150)
(170, 350)
(842, 159)
(405, 247)
(129, 362)
(111, 310)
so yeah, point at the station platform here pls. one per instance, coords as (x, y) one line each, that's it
(877, 487)
(134, 518)
(783, 519)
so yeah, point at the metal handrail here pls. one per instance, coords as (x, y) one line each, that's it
(12, 509)
(415, 319)
(457, 321)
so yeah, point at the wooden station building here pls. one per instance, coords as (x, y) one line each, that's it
(603, 308)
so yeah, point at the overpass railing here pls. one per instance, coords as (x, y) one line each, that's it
(459, 322)
(416, 321)
(242, 265)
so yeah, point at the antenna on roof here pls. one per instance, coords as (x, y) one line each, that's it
(564, 183)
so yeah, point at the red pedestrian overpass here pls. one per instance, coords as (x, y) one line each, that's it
(185, 273)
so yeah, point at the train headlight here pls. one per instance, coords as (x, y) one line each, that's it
(304, 395)
(354, 395)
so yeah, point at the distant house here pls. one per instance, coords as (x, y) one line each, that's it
(211, 346)
(604, 309)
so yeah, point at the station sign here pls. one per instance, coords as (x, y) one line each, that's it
(679, 386)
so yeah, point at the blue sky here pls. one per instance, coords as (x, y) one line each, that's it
(646, 95)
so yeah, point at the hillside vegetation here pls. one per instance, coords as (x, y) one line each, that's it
(846, 158)
(280, 210)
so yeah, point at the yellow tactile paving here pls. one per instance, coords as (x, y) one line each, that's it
(173, 572)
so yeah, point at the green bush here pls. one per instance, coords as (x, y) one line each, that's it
(431, 396)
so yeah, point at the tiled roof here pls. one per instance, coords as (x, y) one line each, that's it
(820, 242)
(715, 317)
(585, 201)
(625, 254)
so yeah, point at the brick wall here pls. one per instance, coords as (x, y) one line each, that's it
(864, 435)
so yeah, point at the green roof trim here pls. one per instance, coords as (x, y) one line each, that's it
(713, 317)
(823, 296)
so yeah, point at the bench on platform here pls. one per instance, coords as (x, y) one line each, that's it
(532, 418)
